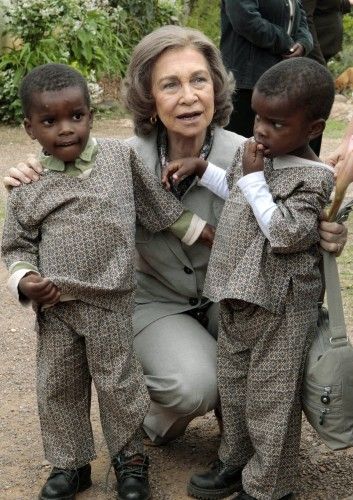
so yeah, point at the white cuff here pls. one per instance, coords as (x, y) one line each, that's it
(214, 179)
(257, 193)
(195, 229)
(12, 285)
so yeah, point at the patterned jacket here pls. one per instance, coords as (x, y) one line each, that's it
(244, 264)
(80, 233)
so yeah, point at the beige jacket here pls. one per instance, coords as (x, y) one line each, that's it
(170, 275)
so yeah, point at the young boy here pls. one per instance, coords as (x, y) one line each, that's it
(69, 244)
(264, 270)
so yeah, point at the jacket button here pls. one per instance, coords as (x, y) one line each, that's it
(193, 301)
(187, 270)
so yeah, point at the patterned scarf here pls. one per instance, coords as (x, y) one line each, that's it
(162, 146)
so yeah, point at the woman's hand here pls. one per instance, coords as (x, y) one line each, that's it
(207, 235)
(40, 290)
(333, 236)
(177, 170)
(253, 157)
(23, 173)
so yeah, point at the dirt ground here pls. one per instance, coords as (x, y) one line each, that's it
(324, 475)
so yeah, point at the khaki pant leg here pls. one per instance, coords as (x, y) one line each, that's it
(178, 356)
(63, 391)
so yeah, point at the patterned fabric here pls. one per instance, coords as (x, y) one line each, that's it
(80, 233)
(244, 264)
(78, 342)
(269, 290)
(162, 145)
(82, 238)
(260, 366)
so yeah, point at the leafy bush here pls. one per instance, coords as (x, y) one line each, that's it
(344, 59)
(205, 16)
(94, 36)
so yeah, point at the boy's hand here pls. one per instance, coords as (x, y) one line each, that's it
(177, 170)
(40, 290)
(207, 235)
(253, 158)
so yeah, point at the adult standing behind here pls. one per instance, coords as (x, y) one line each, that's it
(325, 21)
(255, 35)
(179, 95)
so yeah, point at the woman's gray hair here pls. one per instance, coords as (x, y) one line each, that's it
(137, 92)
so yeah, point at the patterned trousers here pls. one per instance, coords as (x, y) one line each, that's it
(78, 342)
(261, 359)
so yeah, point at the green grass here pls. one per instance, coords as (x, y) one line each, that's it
(335, 129)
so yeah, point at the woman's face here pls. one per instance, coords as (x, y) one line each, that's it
(183, 91)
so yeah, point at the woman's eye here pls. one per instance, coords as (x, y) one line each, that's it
(277, 125)
(77, 116)
(169, 85)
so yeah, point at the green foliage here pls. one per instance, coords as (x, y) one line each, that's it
(205, 16)
(335, 129)
(344, 59)
(94, 36)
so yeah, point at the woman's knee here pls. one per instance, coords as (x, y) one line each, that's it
(188, 394)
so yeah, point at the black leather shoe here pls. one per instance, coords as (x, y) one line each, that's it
(218, 482)
(63, 484)
(132, 475)
(244, 496)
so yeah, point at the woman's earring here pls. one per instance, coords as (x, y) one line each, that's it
(153, 120)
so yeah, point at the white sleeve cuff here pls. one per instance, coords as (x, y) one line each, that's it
(13, 281)
(195, 229)
(257, 193)
(214, 179)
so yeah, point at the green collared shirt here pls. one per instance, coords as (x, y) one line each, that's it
(82, 165)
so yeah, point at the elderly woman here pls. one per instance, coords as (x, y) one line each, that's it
(179, 95)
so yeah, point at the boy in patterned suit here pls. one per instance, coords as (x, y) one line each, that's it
(264, 270)
(69, 244)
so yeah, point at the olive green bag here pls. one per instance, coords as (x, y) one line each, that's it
(328, 376)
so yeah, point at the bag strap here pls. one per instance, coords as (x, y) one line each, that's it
(334, 301)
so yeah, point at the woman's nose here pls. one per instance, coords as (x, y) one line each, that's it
(188, 94)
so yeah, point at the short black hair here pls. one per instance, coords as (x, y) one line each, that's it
(302, 80)
(50, 77)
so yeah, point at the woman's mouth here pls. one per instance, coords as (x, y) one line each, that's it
(189, 117)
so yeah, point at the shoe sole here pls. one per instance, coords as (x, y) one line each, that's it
(147, 498)
(203, 494)
(83, 487)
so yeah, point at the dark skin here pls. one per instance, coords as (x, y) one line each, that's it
(40, 290)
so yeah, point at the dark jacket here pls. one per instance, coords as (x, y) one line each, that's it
(326, 26)
(254, 36)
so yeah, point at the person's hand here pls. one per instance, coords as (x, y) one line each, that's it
(297, 50)
(40, 290)
(253, 157)
(333, 236)
(336, 156)
(23, 173)
(207, 235)
(178, 170)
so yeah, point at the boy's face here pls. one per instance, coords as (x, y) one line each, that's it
(279, 126)
(60, 121)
